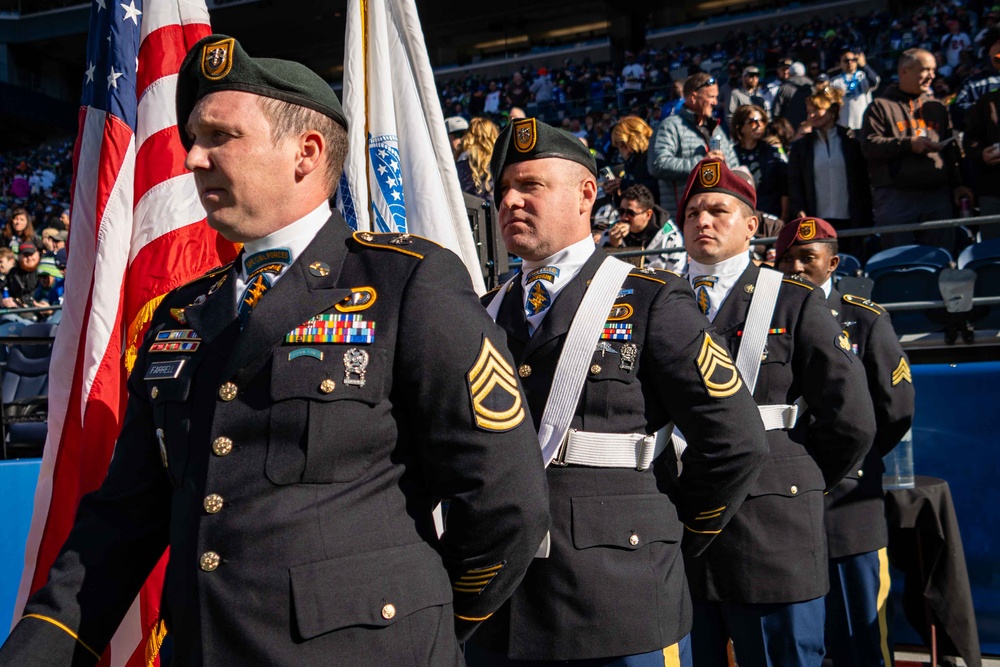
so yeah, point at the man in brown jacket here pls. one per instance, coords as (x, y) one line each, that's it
(912, 159)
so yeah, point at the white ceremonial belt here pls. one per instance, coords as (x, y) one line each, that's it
(607, 450)
(781, 417)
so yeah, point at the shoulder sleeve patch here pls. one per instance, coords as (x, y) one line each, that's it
(718, 372)
(902, 373)
(496, 399)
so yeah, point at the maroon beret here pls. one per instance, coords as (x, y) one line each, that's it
(802, 231)
(711, 175)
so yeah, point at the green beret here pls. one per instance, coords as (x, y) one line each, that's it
(218, 62)
(531, 139)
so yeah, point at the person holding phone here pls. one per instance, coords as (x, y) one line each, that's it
(912, 163)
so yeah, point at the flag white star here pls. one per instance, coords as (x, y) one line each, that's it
(131, 12)
(113, 78)
(395, 195)
(90, 73)
(381, 154)
(381, 170)
(101, 5)
(391, 182)
(394, 165)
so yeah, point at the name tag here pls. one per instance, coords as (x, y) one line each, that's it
(164, 370)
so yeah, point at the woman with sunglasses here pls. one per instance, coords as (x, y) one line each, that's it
(763, 160)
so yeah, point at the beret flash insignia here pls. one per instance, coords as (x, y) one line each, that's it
(217, 59)
(525, 134)
(807, 229)
(709, 174)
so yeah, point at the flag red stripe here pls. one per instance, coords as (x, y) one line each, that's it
(163, 51)
(114, 148)
(161, 157)
(171, 261)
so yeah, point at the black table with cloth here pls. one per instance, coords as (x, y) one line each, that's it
(926, 545)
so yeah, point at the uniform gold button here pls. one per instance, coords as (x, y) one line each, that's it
(388, 611)
(154, 392)
(213, 503)
(524, 370)
(794, 489)
(227, 392)
(595, 369)
(221, 446)
(327, 385)
(633, 539)
(861, 473)
(209, 561)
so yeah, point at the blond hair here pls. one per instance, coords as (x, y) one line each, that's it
(825, 97)
(633, 132)
(478, 145)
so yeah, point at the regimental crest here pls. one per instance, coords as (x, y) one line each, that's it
(361, 298)
(844, 342)
(525, 134)
(496, 399)
(217, 59)
(807, 230)
(902, 373)
(717, 369)
(709, 174)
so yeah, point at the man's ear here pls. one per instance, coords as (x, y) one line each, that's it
(312, 151)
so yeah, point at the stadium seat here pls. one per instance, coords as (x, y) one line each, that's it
(8, 329)
(909, 273)
(984, 259)
(849, 265)
(24, 391)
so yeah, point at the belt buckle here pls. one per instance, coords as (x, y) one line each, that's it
(559, 460)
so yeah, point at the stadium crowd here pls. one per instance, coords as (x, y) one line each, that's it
(34, 212)
(861, 120)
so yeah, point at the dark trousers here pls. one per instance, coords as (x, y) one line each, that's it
(900, 207)
(764, 635)
(676, 655)
(857, 624)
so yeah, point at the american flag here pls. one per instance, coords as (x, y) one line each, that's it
(138, 231)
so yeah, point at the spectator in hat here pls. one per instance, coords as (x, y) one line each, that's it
(61, 259)
(858, 81)
(790, 102)
(827, 173)
(980, 84)
(52, 241)
(541, 88)
(687, 137)
(50, 287)
(474, 162)
(21, 283)
(457, 127)
(748, 93)
(765, 162)
(770, 91)
(18, 230)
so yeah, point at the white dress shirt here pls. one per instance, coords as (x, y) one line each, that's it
(727, 271)
(569, 261)
(295, 237)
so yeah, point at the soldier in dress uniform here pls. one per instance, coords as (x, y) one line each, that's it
(608, 587)
(762, 581)
(857, 628)
(293, 419)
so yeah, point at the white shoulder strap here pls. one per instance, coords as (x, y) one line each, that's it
(577, 353)
(765, 296)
